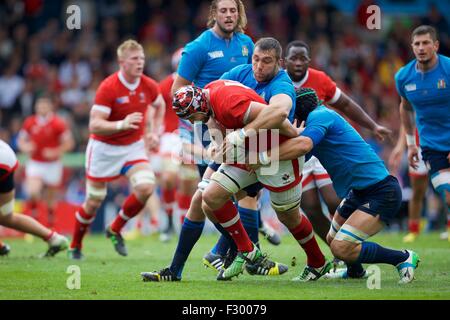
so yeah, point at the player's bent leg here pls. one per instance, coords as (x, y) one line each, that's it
(330, 197)
(34, 186)
(95, 194)
(419, 185)
(286, 205)
(29, 225)
(191, 231)
(310, 204)
(142, 181)
(351, 246)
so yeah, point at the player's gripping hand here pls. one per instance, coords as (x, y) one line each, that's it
(381, 132)
(413, 156)
(131, 121)
(152, 141)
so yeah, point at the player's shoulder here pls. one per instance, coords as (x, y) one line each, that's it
(29, 121)
(322, 112)
(110, 82)
(318, 74)
(58, 121)
(243, 37)
(241, 70)
(405, 71)
(445, 62)
(202, 42)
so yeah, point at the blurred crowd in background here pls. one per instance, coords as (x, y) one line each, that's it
(38, 53)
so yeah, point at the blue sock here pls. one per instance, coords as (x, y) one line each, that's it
(226, 237)
(250, 221)
(222, 246)
(260, 222)
(374, 253)
(189, 235)
(355, 270)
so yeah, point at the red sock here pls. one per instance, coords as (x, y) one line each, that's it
(183, 202)
(131, 207)
(168, 199)
(82, 222)
(236, 230)
(48, 237)
(413, 226)
(303, 233)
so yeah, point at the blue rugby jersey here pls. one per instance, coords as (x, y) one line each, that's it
(429, 94)
(281, 83)
(209, 56)
(348, 159)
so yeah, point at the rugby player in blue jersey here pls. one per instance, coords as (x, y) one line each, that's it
(272, 83)
(371, 196)
(218, 49)
(424, 87)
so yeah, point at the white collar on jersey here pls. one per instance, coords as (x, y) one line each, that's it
(301, 82)
(41, 120)
(129, 86)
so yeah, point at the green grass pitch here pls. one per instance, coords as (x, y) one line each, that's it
(105, 275)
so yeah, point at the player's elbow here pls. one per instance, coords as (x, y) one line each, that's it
(94, 127)
(279, 114)
(304, 146)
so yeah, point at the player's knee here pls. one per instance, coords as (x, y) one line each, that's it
(290, 219)
(142, 178)
(143, 191)
(6, 209)
(330, 238)
(211, 199)
(340, 249)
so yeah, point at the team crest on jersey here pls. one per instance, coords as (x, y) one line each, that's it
(410, 87)
(122, 100)
(286, 177)
(441, 84)
(142, 97)
(245, 51)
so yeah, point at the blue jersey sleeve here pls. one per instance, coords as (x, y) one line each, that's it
(250, 53)
(399, 84)
(317, 125)
(284, 86)
(233, 74)
(192, 60)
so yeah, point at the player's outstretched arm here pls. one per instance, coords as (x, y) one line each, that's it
(155, 122)
(291, 149)
(179, 82)
(397, 153)
(271, 116)
(24, 143)
(409, 124)
(356, 113)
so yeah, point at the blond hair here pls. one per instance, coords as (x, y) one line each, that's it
(242, 19)
(128, 45)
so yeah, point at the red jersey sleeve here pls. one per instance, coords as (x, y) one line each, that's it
(237, 109)
(329, 87)
(61, 127)
(152, 89)
(27, 125)
(104, 95)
